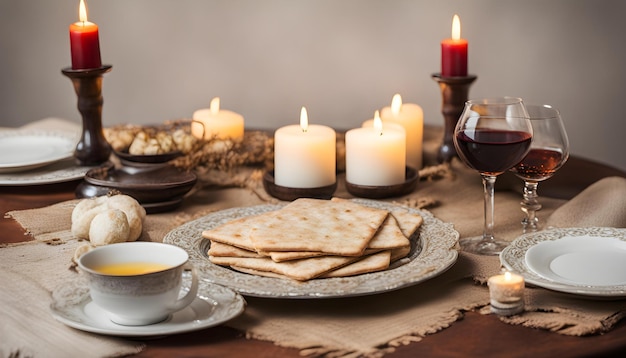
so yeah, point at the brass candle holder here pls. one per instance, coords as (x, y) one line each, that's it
(454, 93)
(92, 149)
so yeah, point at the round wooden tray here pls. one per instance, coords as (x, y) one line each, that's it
(290, 194)
(387, 191)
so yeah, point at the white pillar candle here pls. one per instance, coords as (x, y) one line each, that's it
(411, 117)
(387, 125)
(217, 123)
(305, 155)
(376, 156)
(506, 292)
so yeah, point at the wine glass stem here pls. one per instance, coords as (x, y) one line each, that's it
(489, 182)
(530, 205)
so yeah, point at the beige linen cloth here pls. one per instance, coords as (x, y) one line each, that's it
(29, 272)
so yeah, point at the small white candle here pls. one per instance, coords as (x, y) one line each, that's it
(507, 293)
(411, 117)
(376, 156)
(217, 123)
(506, 288)
(305, 155)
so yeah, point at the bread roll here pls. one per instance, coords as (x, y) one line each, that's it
(109, 227)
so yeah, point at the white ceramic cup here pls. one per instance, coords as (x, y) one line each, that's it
(139, 299)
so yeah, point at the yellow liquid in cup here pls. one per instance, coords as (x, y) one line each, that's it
(131, 268)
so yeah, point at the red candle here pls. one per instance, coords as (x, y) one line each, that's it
(84, 42)
(454, 52)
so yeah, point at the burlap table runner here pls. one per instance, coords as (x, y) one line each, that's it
(32, 270)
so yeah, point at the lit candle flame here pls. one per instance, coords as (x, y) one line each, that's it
(82, 11)
(304, 120)
(215, 106)
(378, 123)
(456, 27)
(396, 104)
(507, 276)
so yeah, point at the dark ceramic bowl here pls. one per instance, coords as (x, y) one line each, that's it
(131, 159)
(148, 185)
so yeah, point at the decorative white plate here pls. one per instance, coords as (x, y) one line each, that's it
(583, 261)
(433, 251)
(213, 305)
(22, 150)
(580, 260)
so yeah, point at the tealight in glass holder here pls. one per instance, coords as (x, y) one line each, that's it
(506, 293)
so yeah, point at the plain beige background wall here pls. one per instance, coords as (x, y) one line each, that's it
(342, 59)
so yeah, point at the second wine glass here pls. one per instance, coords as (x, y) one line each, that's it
(491, 136)
(548, 152)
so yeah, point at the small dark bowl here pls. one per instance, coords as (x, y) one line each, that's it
(290, 194)
(132, 159)
(147, 185)
(86, 190)
(387, 191)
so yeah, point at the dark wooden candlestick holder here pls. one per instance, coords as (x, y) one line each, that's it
(92, 149)
(454, 93)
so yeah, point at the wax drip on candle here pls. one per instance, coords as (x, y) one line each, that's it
(215, 106)
(396, 104)
(378, 123)
(304, 120)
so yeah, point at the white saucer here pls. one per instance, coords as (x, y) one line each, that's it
(214, 305)
(580, 260)
(23, 150)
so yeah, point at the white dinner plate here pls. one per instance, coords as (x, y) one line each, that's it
(433, 251)
(213, 305)
(57, 172)
(583, 261)
(22, 150)
(580, 260)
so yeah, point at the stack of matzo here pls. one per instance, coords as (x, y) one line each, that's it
(311, 238)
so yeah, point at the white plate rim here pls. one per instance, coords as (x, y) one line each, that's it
(513, 258)
(439, 252)
(58, 172)
(73, 297)
(67, 140)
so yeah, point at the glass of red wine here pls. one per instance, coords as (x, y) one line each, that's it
(548, 152)
(491, 136)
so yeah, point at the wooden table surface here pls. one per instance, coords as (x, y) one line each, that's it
(473, 335)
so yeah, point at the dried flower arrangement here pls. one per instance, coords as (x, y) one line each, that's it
(220, 162)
